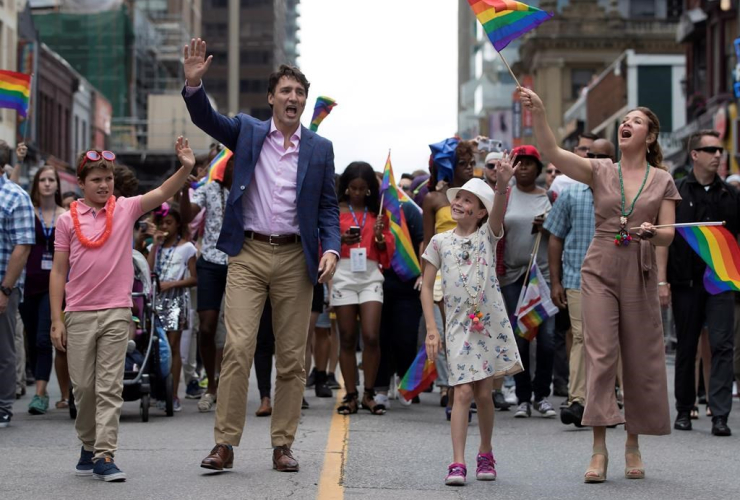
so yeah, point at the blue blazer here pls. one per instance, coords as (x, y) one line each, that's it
(318, 211)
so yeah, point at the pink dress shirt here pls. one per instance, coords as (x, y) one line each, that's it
(269, 205)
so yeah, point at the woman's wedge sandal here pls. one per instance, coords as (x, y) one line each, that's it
(634, 472)
(597, 475)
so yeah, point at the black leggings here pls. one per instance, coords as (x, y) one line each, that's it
(36, 316)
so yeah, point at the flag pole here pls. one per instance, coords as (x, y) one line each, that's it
(685, 224)
(509, 68)
(28, 113)
(532, 257)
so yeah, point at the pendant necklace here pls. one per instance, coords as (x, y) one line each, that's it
(474, 293)
(623, 237)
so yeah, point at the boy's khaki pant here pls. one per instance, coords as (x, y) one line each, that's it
(96, 353)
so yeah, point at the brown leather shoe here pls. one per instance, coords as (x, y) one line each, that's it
(283, 461)
(265, 410)
(220, 458)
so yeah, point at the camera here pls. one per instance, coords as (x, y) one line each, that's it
(141, 225)
(490, 145)
(354, 230)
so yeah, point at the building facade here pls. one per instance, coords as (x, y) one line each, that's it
(8, 61)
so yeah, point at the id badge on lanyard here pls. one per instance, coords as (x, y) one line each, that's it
(358, 260)
(47, 259)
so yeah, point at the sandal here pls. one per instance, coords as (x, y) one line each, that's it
(709, 411)
(594, 475)
(694, 413)
(634, 472)
(349, 404)
(62, 404)
(369, 404)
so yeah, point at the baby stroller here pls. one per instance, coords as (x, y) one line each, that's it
(147, 372)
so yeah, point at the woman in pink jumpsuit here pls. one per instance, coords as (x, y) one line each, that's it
(620, 305)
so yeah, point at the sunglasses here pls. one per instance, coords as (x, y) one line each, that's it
(490, 166)
(463, 162)
(712, 150)
(597, 155)
(95, 156)
(553, 171)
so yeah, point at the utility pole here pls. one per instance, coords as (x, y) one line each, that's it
(233, 50)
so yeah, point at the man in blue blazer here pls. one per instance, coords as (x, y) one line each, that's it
(281, 211)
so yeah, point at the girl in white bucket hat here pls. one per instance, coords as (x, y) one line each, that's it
(479, 341)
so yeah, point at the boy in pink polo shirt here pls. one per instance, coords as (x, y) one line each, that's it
(93, 268)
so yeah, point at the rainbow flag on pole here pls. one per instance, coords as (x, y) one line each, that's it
(216, 168)
(534, 306)
(719, 250)
(404, 260)
(506, 20)
(15, 91)
(420, 375)
(321, 110)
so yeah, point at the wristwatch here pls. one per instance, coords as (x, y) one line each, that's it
(6, 291)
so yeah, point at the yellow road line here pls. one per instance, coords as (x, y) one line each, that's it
(331, 481)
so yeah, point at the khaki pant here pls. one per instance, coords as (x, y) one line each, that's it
(258, 271)
(577, 376)
(96, 354)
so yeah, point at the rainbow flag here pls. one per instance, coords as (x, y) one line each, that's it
(534, 306)
(404, 261)
(506, 20)
(15, 91)
(420, 375)
(216, 168)
(718, 249)
(321, 110)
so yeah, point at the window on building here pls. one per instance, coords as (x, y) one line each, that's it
(219, 30)
(76, 138)
(254, 3)
(262, 113)
(216, 4)
(252, 86)
(256, 57)
(579, 78)
(641, 9)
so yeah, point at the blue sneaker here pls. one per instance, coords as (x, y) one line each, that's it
(193, 391)
(4, 419)
(85, 465)
(106, 470)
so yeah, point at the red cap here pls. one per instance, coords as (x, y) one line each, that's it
(527, 151)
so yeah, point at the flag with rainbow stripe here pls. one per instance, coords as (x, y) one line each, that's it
(216, 168)
(506, 20)
(419, 376)
(534, 306)
(321, 110)
(719, 250)
(404, 261)
(15, 91)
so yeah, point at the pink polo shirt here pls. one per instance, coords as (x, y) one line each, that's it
(270, 204)
(99, 278)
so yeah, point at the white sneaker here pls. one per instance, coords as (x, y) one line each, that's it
(510, 395)
(734, 389)
(207, 400)
(524, 410)
(382, 399)
(545, 408)
(403, 400)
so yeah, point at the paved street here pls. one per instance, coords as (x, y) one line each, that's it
(402, 455)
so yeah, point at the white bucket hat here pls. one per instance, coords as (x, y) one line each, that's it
(477, 187)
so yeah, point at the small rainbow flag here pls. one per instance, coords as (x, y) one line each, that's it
(15, 91)
(420, 375)
(534, 306)
(506, 20)
(718, 249)
(404, 260)
(323, 107)
(216, 168)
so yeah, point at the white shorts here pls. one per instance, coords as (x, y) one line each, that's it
(350, 288)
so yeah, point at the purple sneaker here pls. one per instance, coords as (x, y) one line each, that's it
(456, 474)
(486, 470)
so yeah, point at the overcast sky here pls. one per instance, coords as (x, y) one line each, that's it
(391, 65)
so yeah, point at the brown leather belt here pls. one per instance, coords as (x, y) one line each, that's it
(273, 239)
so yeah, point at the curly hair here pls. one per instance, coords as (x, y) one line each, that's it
(125, 181)
(361, 170)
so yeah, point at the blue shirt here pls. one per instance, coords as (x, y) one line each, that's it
(17, 224)
(572, 219)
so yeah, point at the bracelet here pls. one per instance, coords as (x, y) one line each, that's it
(662, 283)
(500, 194)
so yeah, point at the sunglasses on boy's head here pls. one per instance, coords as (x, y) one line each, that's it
(599, 156)
(95, 156)
(712, 150)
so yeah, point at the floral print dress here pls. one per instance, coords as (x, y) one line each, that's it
(468, 268)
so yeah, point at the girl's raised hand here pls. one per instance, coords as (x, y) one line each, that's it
(184, 153)
(507, 167)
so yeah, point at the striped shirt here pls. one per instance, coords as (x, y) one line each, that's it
(17, 224)
(572, 219)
